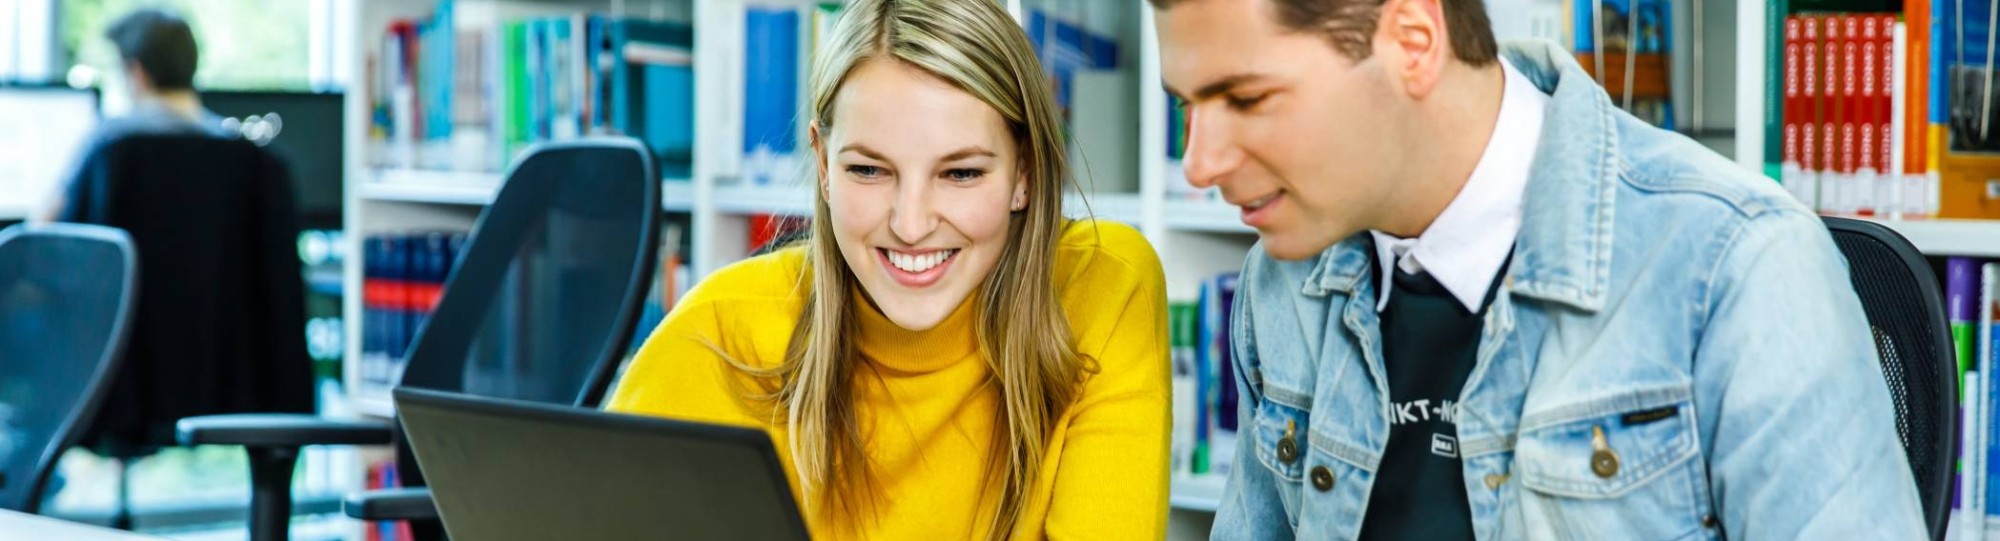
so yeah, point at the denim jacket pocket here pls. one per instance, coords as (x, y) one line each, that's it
(1275, 423)
(1627, 467)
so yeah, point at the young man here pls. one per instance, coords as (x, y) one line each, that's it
(1487, 304)
(157, 54)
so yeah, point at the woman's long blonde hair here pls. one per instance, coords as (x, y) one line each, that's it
(1021, 330)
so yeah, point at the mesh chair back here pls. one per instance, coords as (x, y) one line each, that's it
(66, 296)
(1906, 312)
(544, 298)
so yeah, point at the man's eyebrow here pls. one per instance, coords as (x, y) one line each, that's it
(1218, 86)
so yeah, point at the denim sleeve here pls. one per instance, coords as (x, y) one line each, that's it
(1796, 416)
(1250, 508)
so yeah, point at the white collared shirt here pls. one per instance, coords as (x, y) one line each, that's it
(1465, 247)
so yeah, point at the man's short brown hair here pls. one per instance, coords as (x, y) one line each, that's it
(1350, 25)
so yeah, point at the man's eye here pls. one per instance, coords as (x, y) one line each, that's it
(1244, 103)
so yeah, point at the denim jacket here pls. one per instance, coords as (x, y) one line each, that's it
(1663, 308)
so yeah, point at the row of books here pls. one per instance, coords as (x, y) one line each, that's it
(1845, 100)
(1931, 102)
(382, 475)
(1972, 300)
(462, 95)
(403, 276)
(778, 43)
(1629, 52)
(1204, 384)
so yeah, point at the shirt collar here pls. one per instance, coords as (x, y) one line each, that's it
(1467, 245)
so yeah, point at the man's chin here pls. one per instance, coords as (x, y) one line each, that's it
(1294, 246)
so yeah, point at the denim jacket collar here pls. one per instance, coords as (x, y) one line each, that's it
(1564, 251)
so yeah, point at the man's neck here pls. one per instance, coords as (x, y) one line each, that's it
(1456, 123)
(182, 103)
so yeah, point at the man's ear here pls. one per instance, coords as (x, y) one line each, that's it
(1412, 39)
(136, 77)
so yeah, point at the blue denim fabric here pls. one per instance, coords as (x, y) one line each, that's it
(1650, 276)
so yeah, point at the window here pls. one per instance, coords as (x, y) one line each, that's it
(245, 44)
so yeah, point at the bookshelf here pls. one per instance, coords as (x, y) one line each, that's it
(715, 195)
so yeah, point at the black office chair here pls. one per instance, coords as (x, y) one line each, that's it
(66, 295)
(1906, 312)
(541, 307)
(218, 326)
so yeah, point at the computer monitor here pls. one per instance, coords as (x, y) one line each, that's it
(307, 130)
(42, 128)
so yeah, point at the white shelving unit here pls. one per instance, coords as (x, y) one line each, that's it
(1197, 492)
(479, 189)
(1950, 237)
(1934, 237)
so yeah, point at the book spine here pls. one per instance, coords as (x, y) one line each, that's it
(1829, 113)
(1867, 47)
(1774, 64)
(1793, 163)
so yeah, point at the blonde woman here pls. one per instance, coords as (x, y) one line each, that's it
(946, 357)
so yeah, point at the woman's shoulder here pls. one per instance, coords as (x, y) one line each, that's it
(776, 278)
(1102, 253)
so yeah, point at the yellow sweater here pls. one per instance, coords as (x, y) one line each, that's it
(928, 419)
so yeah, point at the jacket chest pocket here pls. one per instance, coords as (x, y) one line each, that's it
(1281, 442)
(1634, 473)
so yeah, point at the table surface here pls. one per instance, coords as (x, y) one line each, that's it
(17, 526)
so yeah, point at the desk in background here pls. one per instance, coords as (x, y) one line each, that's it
(17, 526)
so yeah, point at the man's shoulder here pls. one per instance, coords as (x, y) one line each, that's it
(1666, 174)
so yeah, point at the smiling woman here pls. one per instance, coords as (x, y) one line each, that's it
(946, 356)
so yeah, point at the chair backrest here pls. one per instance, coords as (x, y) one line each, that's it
(543, 301)
(1906, 313)
(66, 296)
(218, 327)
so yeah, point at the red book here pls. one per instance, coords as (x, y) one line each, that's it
(1885, 98)
(1829, 96)
(1848, 112)
(1792, 112)
(1865, 124)
(1808, 109)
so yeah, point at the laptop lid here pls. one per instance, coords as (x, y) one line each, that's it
(505, 470)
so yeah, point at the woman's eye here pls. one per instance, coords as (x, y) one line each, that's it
(864, 171)
(964, 175)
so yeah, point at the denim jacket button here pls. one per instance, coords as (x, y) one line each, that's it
(1322, 478)
(1288, 450)
(1603, 461)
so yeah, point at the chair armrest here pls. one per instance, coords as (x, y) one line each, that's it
(280, 430)
(391, 504)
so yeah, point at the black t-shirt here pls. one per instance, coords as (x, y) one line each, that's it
(1430, 343)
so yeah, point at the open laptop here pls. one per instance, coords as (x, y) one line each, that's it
(503, 470)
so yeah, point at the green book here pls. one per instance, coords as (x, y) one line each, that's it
(516, 64)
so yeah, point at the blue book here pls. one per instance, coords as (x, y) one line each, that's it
(1225, 287)
(651, 88)
(770, 89)
(1936, 112)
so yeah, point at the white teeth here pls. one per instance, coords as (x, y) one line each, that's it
(1260, 202)
(919, 263)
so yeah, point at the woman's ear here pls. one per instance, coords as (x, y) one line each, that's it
(1020, 201)
(819, 155)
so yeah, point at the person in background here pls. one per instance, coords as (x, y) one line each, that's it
(1488, 304)
(946, 356)
(157, 59)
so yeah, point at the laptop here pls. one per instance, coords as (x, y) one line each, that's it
(502, 470)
